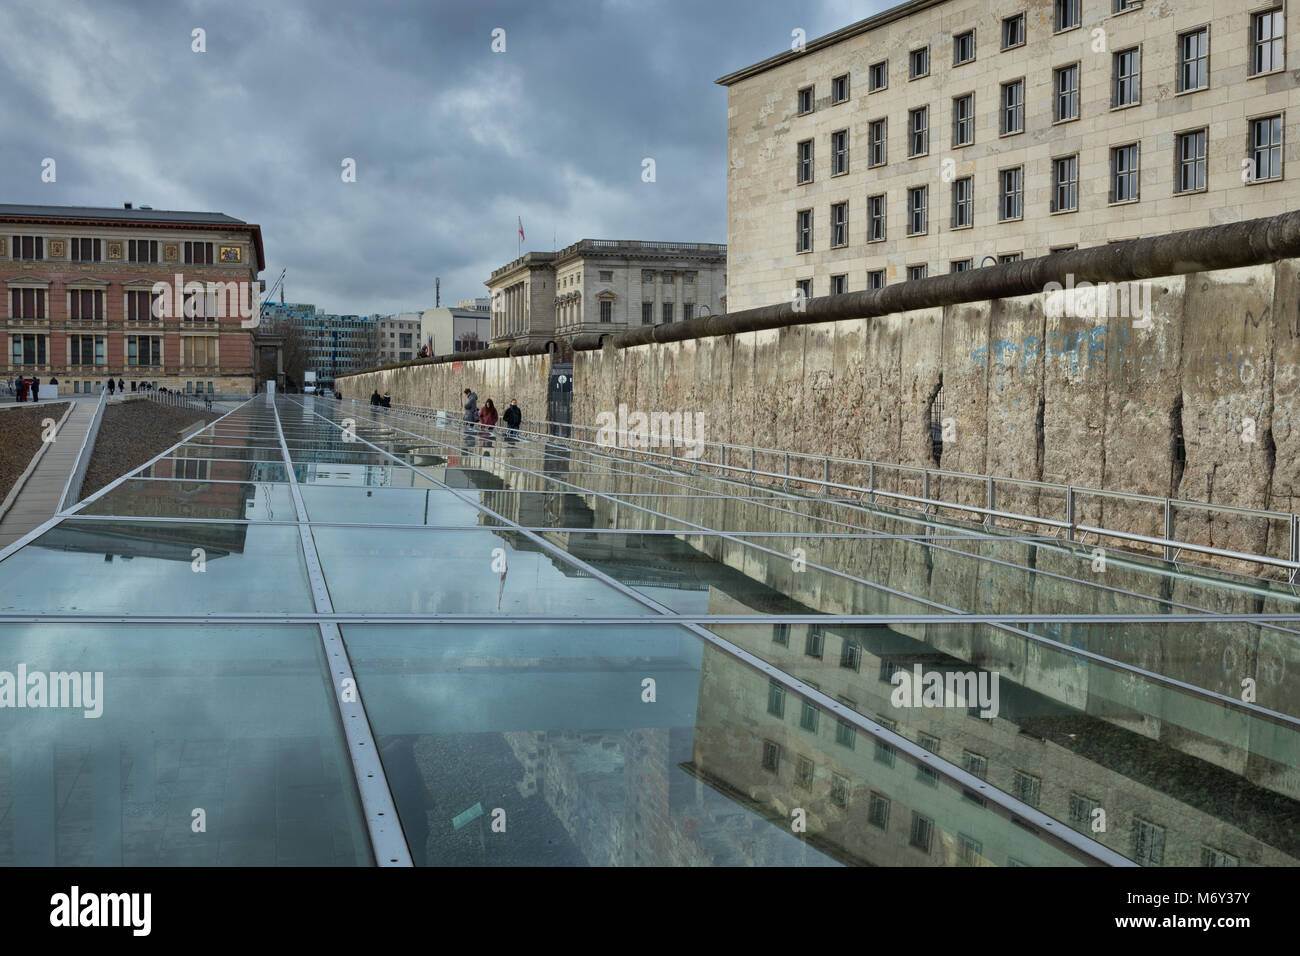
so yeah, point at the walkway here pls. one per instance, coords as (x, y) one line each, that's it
(39, 498)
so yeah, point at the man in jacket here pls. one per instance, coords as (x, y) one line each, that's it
(471, 406)
(512, 416)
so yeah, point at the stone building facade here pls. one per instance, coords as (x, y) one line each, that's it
(82, 305)
(941, 135)
(606, 285)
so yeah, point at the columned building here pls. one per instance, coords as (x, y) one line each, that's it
(83, 302)
(606, 285)
(941, 135)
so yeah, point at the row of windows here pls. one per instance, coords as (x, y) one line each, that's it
(34, 248)
(1266, 54)
(1190, 176)
(88, 305)
(84, 350)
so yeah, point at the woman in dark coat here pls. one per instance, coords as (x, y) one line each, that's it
(488, 414)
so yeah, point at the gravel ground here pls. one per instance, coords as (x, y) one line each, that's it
(132, 433)
(20, 437)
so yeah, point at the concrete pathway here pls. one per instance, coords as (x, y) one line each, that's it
(39, 498)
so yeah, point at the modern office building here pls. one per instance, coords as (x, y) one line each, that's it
(606, 285)
(336, 344)
(399, 337)
(136, 294)
(941, 135)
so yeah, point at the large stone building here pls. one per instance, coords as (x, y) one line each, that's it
(83, 303)
(941, 135)
(606, 285)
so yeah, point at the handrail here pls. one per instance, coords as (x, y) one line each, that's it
(1069, 524)
(72, 487)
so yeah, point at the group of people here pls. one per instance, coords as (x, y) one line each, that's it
(378, 401)
(487, 415)
(29, 389)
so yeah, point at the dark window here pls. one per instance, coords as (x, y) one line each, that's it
(1066, 14)
(963, 120)
(28, 247)
(918, 62)
(875, 218)
(1013, 107)
(1148, 843)
(806, 100)
(922, 832)
(775, 699)
(876, 279)
(781, 634)
(918, 131)
(1127, 88)
(1266, 148)
(839, 284)
(1194, 60)
(1065, 184)
(963, 202)
(839, 225)
(917, 272)
(1065, 105)
(87, 304)
(877, 150)
(804, 166)
(814, 641)
(27, 303)
(803, 240)
(667, 311)
(1011, 197)
(198, 253)
(878, 76)
(809, 716)
(84, 250)
(142, 250)
(1124, 173)
(771, 756)
(1190, 157)
(606, 315)
(647, 313)
(1267, 42)
(1013, 31)
(963, 48)
(839, 152)
(804, 770)
(878, 811)
(840, 89)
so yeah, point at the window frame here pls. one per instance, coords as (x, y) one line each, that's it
(912, 54)
(912, 131)
(1181, 64)
(1073, 183)
(956, 47)
(836, 99)
(1024, 30)
(802, 232)
(1253, 148)
(1019, 193)
(840, 227)
(1255, 45)
(840, 152)
(923, 191)
(966, 204)
(1120, 82)
(1134, 174)
(1058, 6)
(958, 120)
(1202, 162)
(877, 203)
(871, 76)
(800, 163)
(1003, 129)
(883, 124)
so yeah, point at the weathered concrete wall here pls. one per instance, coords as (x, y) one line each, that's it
(1083, 401)
(524, 378)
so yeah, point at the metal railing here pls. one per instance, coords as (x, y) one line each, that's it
(72, 488)
(884, 483)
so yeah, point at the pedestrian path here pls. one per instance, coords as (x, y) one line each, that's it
(39, 498)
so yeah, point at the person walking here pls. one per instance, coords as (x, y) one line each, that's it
(121, 385)
(512, 416)
(387, 401)
(111, 386)
(374, 398)
(471, 406)
(36, 389)
(488, 414)
(22, 389)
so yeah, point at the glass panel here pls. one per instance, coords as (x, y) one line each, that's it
(265, 501)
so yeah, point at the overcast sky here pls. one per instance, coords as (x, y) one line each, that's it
(452, 141)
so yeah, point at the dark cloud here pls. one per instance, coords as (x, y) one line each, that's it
(451, 140)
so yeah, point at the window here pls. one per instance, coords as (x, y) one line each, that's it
(1080, 815)
(1013, 108)
(1124, 173)
(1065, 184)
(1065, 14)
(775, 699)
(877, 131)
(1013, 31)
(840, 89)
(27, 303)
(928, 775)
(839, 225)
(804, 166)
(28, 247)
(918, 131)
(963, 120)
(668, 278)
(689, 278)
(963, 48)
(1267, 42)
(86, 304)
(878, 76)
(809, 716)
(144, 350)
(922, 832)
(960, 265)
(1026, 788)
(851, 655)
(888, 669)
(1124, 6)
(876, 279)
(839, 284)
(771, 755)
(839, 152)
(28, 349)
(963, 202)
(198, 351)
(1010, 257)
(142, 250)
(804, 288)
(1127, 88)
(918, 63)
(667, 312)
(1011, 193)
(607, 276)
(647, 313)
(1065, 102)
(1190, 156)
(781, 634)
(688, 311)
(1212, 857)
(814, 641)
(917, 272)
(875, 218)
(803, 239)
(974, 763)
(917, 201)
(878, 811)
(84, 250)
(1194, 60)
(885, 752)
(1266, 148)
(606, 315)
(839, 791)
(198, 253)
(1148, 843)
(806, 100)
(85, 350)
(969, 850)
(804, 769)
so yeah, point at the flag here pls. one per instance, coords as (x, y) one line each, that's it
(521, 230)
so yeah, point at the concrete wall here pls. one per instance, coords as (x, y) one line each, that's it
(1084, 401)
(523, 378)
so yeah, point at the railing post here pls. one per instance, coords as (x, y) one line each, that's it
(723, 467)
(826, 474)
(1169, 529)
(787, 471)
(871, 482)
(1295, 539)
(753, 458)
(925, 490)
(1069, 511)
(990, 499)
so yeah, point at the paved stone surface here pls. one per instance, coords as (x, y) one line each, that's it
(39, 498)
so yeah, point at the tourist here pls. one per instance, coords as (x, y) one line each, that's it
(488, 415)
(121, 385)
(22, 389)
(471, 406)
(387, 402)
(111, 386)
(375, 399)
(512, 416)
(36, 389)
